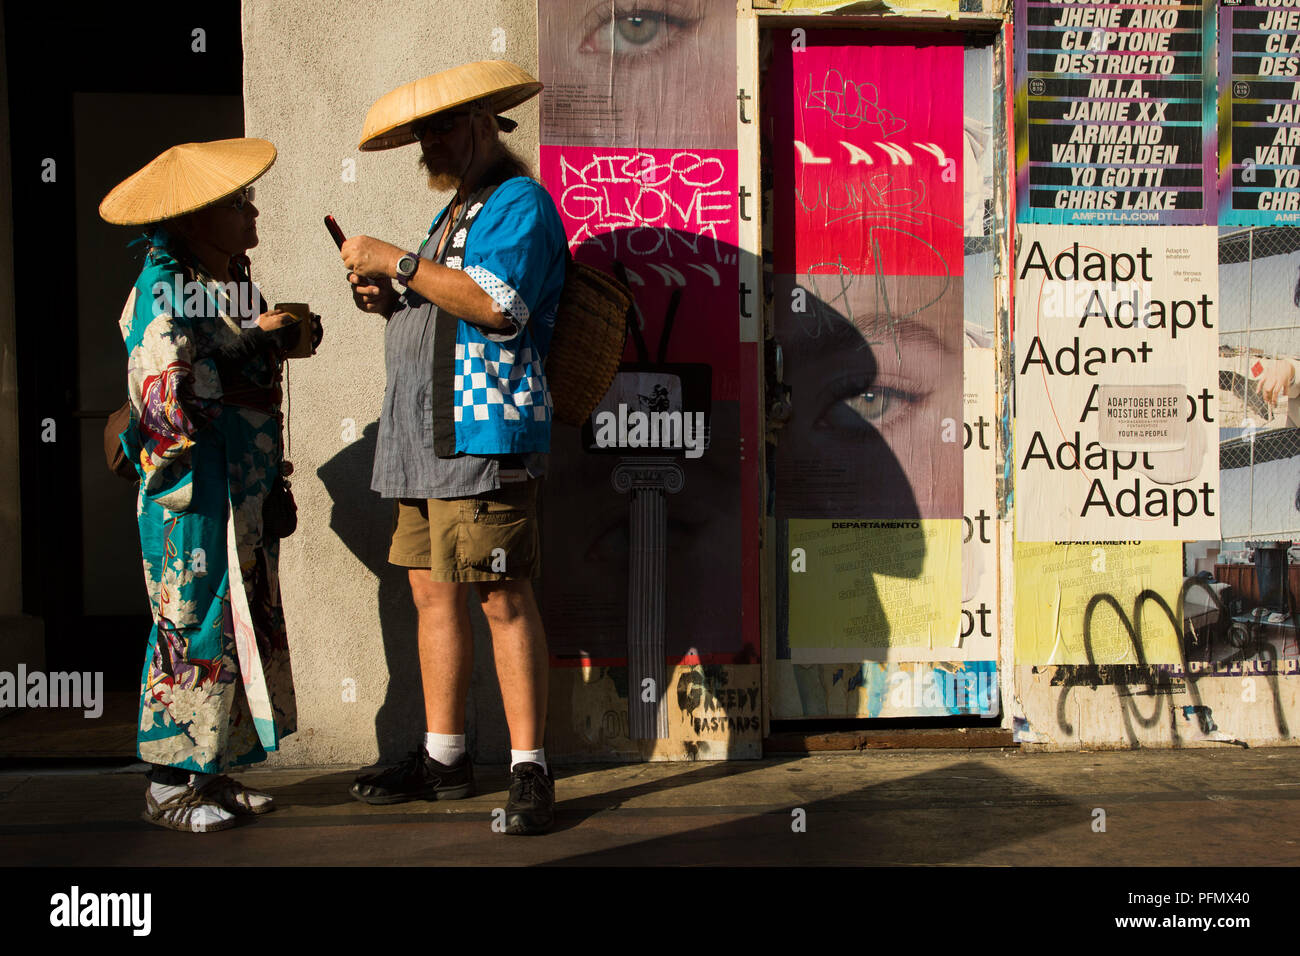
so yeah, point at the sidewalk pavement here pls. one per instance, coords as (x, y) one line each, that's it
(1200, 807)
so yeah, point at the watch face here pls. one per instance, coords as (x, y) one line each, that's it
(406, 266)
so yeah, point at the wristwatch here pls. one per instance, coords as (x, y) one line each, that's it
(406, 267)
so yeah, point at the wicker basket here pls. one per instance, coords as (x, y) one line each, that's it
(587, 346)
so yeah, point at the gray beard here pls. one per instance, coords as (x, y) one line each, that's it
(440, 180)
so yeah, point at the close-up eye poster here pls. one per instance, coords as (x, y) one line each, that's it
(870, 231)
(659, 74)
(638, 150)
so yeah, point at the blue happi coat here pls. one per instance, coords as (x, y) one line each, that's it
(490, 394)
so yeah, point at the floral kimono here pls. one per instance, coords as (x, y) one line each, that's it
(217, 690)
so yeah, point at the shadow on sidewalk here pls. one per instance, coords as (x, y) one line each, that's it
(947, 815)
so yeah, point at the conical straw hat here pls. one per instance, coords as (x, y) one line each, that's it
(186, 178)
(504, 85)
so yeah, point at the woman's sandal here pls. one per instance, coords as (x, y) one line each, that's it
(236, 798)
(177, 812)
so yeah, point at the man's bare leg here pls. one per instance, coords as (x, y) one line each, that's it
(446, 650)
(446, 659)
(523, 665)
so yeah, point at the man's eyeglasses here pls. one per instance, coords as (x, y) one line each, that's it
(439, 124)
(242, 198)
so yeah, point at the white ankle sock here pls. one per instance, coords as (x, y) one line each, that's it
(528, 756)
(444, 748)
(203, 817)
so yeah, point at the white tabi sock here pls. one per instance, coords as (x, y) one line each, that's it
(200, 819)
(528, 756)
(445, 748)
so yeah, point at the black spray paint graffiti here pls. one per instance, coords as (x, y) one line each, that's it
(718, 704)
(1158, 683)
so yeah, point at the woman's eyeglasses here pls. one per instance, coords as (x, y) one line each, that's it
(439, 124)
(242, 198)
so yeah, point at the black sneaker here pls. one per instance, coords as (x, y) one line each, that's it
(531, 807)
(418, 777)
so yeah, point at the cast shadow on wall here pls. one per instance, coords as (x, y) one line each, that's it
(873, 378)
(841, 450)
(846, 466)
(642, 539)
(363, 521)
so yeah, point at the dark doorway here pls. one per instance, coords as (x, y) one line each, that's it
(92, 99)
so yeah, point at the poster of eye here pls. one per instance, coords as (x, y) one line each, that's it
(1115, 112)
(868, 251)
(1259, 112)
(1116, 384)
(652, 555)
(878, 201)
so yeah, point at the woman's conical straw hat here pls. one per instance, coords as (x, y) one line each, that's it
(501, 83)
(186, 178)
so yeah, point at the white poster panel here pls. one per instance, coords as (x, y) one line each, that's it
(979, 549)
(1116, 344)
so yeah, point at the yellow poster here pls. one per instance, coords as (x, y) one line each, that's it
(1096, 602)
(874, 585)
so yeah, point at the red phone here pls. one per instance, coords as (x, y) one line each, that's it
(335, 232)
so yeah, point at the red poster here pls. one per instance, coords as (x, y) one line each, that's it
(671, 218)
(869, 150)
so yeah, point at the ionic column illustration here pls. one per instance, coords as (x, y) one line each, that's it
(648, 481)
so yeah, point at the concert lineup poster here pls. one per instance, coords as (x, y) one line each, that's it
(1259, 112)
(1116, 374)
(647, 550)
(1115, 113)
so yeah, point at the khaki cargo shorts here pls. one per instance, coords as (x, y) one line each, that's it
(489, 537)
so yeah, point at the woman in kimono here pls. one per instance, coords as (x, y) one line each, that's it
(205, 438)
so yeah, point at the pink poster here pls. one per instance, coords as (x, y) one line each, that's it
(671, 218)
(871, 155)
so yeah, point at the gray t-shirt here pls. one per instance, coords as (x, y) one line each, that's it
(405, 465)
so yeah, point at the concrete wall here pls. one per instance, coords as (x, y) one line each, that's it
(311, 70)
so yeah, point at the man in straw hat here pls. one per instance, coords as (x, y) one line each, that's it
(466, 419)
(204, 436)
